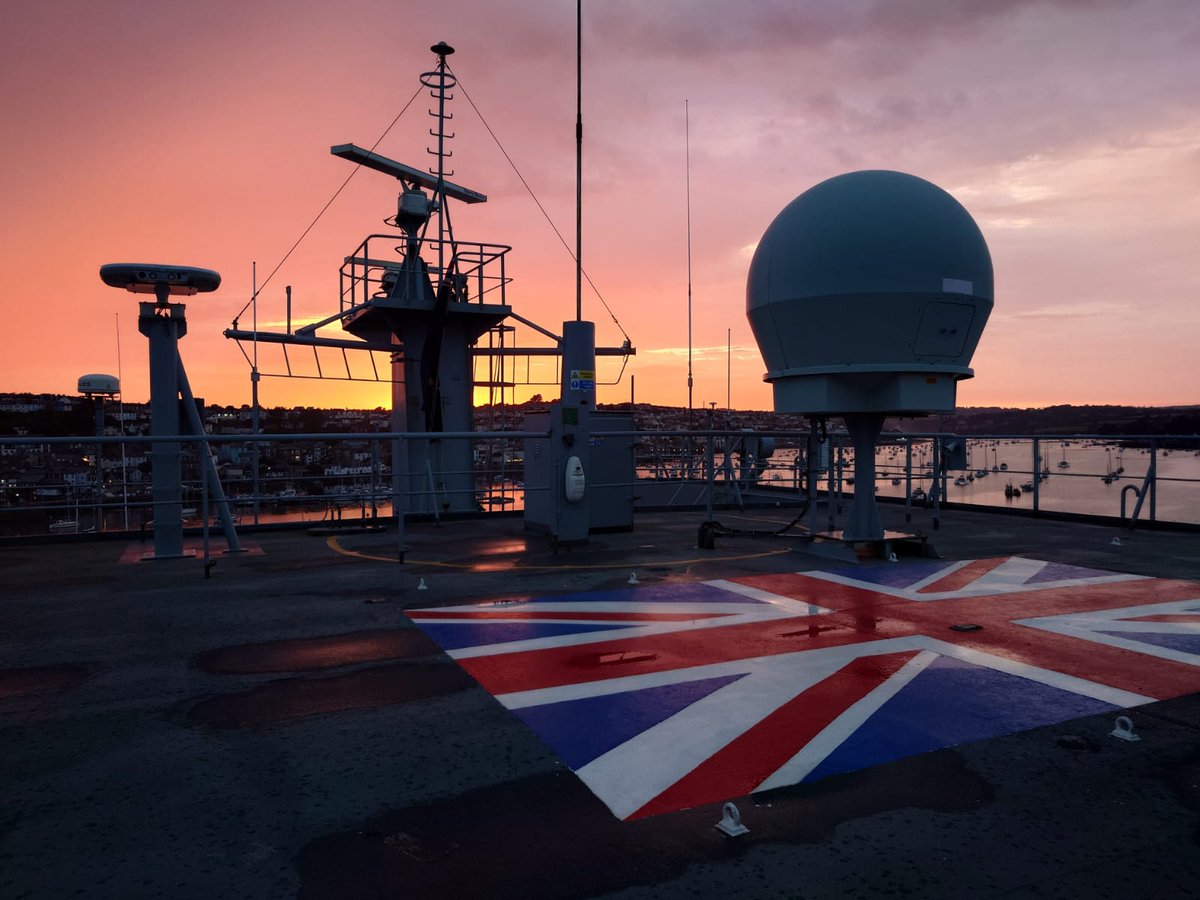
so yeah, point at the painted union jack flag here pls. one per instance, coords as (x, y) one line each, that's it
(670, 696)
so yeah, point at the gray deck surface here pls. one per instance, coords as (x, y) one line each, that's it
(149, 752)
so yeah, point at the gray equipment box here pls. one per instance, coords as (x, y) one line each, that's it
(610, 473)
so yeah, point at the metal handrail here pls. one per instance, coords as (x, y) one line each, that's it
(716, 464)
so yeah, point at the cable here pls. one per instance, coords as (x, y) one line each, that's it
(717, 528)
(312, 224)
(538, 202)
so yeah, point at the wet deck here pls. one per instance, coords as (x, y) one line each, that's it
(284, 728)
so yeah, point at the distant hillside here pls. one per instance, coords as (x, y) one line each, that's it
(1055, 420)
(1050, 421)
(55, 414)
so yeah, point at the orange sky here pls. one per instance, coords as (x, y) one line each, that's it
(199, 134)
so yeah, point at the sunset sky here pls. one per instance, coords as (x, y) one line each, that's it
(199, 133)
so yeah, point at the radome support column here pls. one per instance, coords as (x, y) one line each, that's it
(862, 521)
(163, 324)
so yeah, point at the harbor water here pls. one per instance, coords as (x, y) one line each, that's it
(1081, 486)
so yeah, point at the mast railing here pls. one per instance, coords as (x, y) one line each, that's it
(479, 270)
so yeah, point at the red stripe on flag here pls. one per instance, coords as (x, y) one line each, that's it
(472, 615)
(523, 670)
(816, 591)
(960, 578)
(744, 763)
(1127, 670)
(874, 617)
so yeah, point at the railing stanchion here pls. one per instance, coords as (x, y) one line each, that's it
(908, 481)
(1153, 479)
(1037, 472)
(202, 448)
(711, 454)
(936, 482)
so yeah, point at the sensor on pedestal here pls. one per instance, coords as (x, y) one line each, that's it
(867, 296)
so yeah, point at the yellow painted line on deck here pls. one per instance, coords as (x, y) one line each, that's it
(335, 545)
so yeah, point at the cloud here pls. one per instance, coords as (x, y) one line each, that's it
(1081, 310)
(1093, 185)
(924, 20)
(1068, 128)
(700, 354)
(704, 29)
(282, 324)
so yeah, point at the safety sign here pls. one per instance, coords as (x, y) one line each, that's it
(583, 379)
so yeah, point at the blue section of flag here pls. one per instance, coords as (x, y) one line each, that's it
(581, 730)
(894, 576)
(1183, 642)
(1062, 572)
(950, 703)
(479, 632)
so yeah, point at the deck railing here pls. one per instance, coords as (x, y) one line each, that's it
(75, 484)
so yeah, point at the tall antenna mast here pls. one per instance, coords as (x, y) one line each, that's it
(687, 151)
(254, 378)
(578, 160)
(440, 82)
